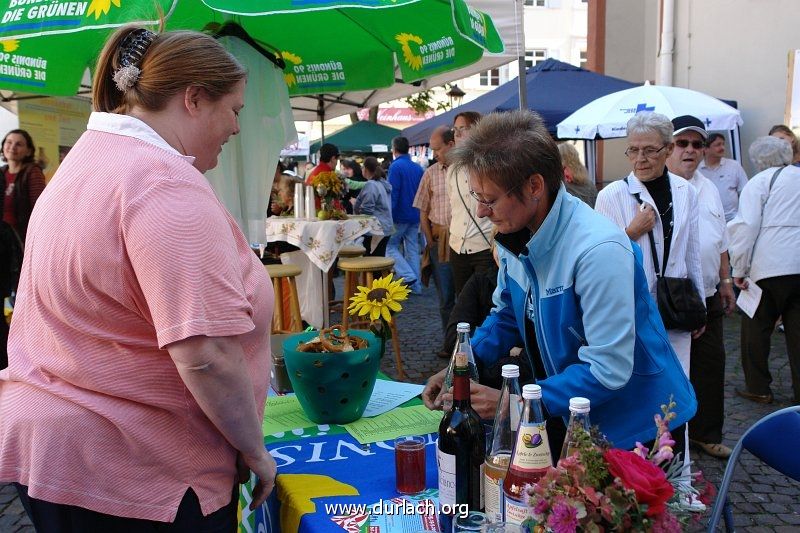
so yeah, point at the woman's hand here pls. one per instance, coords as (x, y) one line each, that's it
(431, 394)
(265, 469)
(643, 222)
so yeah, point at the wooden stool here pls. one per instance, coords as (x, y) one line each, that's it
(353, 268)
(280, 322)
(352, 251)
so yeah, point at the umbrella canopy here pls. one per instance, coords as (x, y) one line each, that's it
(554, 90)
(322, 45)
(364, 136)
(607, 117)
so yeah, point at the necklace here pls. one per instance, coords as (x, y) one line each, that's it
(665, 211)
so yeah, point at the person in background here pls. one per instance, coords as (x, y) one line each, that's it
(130, 402)
(434, 221)
(24, 180)
(727, 174)
(328, 158)
(765, 250)
(282, 195)
(405, 175)
(587, 329)
(707, 355)
(576, 177)
(354, 179)
(470, 235)
(782, 131)
(375, 199)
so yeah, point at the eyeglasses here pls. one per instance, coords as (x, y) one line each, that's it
(459, 130)
(683, 143)
(649, 151)
(490, 205)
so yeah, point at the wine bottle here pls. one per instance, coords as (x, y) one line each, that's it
(504, 430)
(530, 457)
(463, 345)
(460, 450)
(578, 422)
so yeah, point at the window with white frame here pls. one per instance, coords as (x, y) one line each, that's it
(536, 3)
(490, 78)
(583, 59)
(534, 57)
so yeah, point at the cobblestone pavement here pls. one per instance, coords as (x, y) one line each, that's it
(763, 499)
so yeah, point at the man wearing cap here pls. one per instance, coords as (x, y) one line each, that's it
(707, 356)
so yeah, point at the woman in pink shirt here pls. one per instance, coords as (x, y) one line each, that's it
(139, 350)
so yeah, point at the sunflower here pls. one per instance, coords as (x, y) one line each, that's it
(380, 300)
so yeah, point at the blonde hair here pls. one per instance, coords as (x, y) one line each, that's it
(572, 160)
(171, 62)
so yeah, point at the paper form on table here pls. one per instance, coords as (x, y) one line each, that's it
(284, 413)
(414, 420)
(748, 300)
(389, 394)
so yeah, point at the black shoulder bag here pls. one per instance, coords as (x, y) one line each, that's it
(679, 304)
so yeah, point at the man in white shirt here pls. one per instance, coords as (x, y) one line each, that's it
(727, 174)
(707, 359)
(765, 249)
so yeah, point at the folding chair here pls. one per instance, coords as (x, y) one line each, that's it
(773, 439)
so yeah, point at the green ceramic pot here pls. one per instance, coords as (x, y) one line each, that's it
(333, 388)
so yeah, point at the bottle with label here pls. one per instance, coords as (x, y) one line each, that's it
(498, 454)
(460, 450)
(530, 457)
(578, 421)
(462, 346)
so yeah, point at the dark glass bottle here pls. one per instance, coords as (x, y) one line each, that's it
(460, 450)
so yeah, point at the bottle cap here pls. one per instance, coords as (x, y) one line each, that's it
(531, 392)
(463, 327)
(510, 371)
(461, 359)
(579, 405)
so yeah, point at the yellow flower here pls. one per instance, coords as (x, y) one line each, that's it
(101, 7)
(414, 61)
(328, 181)
(380, 300)
(10, 45)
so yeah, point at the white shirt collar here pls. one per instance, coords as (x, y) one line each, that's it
(131, 127)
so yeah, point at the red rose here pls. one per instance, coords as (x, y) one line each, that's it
(646, 479)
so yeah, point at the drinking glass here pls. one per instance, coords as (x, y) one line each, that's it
(409, 464)
(473, 522)
(501, 527)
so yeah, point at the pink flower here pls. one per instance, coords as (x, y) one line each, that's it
(541, 506)
(666, 440)
(641, 450)
(664, 454)
(563, 519)
(666, 523)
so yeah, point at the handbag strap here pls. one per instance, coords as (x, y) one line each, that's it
(650, 235)
(771, 183)
(461, 196)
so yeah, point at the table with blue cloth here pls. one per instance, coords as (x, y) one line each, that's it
(324, 466)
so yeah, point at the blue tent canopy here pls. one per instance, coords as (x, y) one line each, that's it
(554, 90)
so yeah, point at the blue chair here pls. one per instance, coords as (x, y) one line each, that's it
(773, 439)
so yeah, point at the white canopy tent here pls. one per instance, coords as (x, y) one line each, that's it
(607, 117)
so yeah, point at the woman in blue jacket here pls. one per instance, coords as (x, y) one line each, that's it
(571, 289)
(375, 199)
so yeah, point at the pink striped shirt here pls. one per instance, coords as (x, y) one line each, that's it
(128, 250)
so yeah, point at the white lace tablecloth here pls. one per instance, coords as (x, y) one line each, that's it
(321, 240)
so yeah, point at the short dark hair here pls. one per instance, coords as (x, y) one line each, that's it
(472, 117)
(448, 136)
(508, 148)
(400, 145)
(327, 152)
(713, 137)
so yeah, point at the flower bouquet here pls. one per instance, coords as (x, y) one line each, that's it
(329, 187)
(600, 488)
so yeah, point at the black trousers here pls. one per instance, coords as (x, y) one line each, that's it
(780, 297)
(707, 374)
(464, 265)
(380, 250)
(50, 517)
(4, 342)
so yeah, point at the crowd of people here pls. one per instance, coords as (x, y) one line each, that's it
(131, 400)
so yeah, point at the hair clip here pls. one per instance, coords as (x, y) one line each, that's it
(132, 50)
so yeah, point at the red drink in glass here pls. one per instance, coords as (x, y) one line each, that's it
(409, 463)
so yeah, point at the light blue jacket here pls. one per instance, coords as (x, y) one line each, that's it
(579, 279)
(375, 199)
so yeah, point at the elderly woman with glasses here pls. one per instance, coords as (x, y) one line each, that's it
(651, 199)
(570, 289)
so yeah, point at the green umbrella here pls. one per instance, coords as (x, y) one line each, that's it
(325, 46)
(363, 136)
